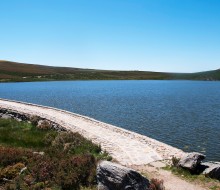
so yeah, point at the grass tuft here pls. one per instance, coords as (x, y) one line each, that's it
(200, 179)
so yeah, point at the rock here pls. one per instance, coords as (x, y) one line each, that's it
(12, 115)
(18, 119)
(39, 153)
(57, 127)
(113, 176)
(191, 161)
(22, 117)
(4, 116)
(212, 169)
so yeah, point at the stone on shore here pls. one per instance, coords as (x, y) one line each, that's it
(4, 116)
(113, 176)
(191, 161)
(212, 169)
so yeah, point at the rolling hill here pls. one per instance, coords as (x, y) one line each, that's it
(20, 72)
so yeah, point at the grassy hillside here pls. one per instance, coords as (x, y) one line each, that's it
(12, 71)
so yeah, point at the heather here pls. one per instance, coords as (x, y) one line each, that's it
(40, 158)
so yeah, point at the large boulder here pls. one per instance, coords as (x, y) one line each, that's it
(191, 161)
(212, 169)
(113, 176)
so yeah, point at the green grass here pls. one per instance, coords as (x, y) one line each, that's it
(69, 160)
(26, 135)
(22, 134)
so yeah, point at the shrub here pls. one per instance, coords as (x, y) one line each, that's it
(41, 168)
(156, 184)
(74, 143)
(67, 137)
(10, 172)
(10, 156)
(10, 187)
(104, 156)
(38, 186)
(28, 179)
(34, 119)
(49, 138)
(43, 124)
(175, 161)
(76, 171)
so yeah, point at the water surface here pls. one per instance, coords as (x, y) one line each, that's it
(184, 114)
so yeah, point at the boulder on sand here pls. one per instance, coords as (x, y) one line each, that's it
(113, 176)
(191, 161)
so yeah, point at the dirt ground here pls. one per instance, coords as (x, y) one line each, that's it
(171, 181)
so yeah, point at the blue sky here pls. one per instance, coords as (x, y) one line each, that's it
(156, 35)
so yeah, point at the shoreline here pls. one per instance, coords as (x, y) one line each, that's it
(75, 80)
(126, 147)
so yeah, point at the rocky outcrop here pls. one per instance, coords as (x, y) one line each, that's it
(113, 176)
(7, 114)
(212, 169)
(36, 120)
(191, 161)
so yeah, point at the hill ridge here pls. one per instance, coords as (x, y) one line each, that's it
(21, 72)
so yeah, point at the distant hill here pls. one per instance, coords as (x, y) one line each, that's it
(13, 71)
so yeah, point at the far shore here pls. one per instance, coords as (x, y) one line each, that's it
(23, 72)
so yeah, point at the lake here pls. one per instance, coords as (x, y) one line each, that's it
(184, 114)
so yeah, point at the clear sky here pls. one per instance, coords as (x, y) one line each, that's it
(156, 35)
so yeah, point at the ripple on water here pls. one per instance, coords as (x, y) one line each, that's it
(184, 114)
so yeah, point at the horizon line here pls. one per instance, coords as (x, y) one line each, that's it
(134, 70)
